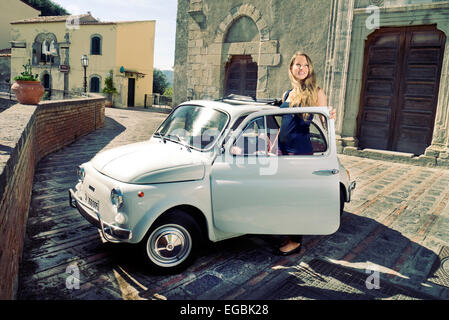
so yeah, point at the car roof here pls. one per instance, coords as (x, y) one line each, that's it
(234, 109)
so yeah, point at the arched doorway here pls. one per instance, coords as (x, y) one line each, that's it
(401, 76)
(46, 82)
(94, 84)
(241, 76)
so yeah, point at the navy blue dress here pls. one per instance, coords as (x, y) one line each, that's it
(294, 135)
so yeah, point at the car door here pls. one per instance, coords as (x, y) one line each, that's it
(258, 192)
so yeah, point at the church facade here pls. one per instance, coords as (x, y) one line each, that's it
(383, 64)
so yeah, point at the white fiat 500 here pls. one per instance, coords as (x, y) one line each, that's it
(213, 171)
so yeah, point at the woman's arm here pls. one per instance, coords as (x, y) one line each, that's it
(322, 100)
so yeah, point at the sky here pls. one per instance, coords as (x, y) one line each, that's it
(163, 11)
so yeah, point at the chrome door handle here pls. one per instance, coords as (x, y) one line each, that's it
(326, 172)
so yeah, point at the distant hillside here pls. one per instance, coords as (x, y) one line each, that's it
(169, 75)
(47, 8)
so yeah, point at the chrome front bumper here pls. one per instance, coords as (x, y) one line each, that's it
(110, 232)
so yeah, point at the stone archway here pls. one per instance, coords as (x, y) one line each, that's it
(206, 61)
(260, 49)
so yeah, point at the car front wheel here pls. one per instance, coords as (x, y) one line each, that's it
(171, 244)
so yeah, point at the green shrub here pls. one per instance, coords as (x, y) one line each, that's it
(27, 75)
(109, 84)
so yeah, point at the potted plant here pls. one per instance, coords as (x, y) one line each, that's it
(27, 87)
(109, 89)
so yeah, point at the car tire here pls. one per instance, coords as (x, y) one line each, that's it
(342, 200)
(171, 243)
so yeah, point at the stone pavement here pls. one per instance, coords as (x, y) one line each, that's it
(393, 241)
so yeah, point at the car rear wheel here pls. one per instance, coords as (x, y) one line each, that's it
(171, 244)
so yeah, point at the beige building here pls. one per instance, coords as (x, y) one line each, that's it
(384, 64)
(56, 44)
(10, 10)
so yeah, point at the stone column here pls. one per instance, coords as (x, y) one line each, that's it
(439, 147)
(337, 60)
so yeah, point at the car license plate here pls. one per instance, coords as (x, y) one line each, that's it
(95, 204)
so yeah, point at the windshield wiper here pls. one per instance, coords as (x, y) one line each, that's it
(157, 134)
(180, 141)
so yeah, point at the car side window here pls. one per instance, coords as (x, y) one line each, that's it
(252, 140)
(318, 138)
(238, 122)
(316, 145)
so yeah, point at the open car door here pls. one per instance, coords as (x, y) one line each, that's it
(255, 191)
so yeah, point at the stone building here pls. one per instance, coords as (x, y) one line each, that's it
(384, 64)
(55, 45)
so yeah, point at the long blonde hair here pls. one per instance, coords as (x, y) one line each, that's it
(305, 92)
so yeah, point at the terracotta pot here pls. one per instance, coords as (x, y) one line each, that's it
(108, 104)
(28, 92)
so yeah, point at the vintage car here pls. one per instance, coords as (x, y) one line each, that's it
(212, 171)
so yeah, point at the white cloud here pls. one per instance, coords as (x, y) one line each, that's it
(74, 9)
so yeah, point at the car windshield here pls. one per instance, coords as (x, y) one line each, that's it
(194, 126)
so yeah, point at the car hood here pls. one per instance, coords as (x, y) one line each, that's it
(151, 162)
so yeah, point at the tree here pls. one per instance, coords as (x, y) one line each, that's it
(109, 88)
(47, 7)
(160, 82)
(168, 92)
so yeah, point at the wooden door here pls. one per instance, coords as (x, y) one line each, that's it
(131, 91)
(400, 88)
(241, 76)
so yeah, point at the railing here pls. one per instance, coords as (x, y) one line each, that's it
(61, 95)
(5, 88)
(7, 97)
(157, 99)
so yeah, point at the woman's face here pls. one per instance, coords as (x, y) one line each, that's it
(300, 68)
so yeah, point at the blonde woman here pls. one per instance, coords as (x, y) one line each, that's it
(294, 135)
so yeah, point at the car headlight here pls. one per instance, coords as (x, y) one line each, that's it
(117, 198)
(120, 218)
(81, 174)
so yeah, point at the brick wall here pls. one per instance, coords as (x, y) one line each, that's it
(28, 133)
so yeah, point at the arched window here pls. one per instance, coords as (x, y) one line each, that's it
(45, 49)
(243, 30)
(95, 45)
(94, 84)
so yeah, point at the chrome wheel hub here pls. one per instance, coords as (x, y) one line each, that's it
(169, 245)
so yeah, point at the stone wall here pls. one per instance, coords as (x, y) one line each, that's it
(28, 133)
(203, 48)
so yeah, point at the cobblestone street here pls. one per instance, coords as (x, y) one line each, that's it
(393, 241)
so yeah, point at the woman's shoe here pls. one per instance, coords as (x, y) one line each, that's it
(287, 253)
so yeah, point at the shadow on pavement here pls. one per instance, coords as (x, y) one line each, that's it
(363, 260)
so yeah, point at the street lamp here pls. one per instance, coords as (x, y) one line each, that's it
(85, 64)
